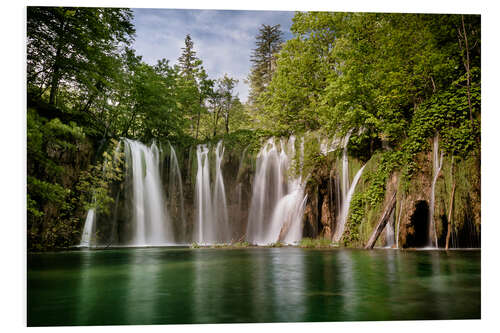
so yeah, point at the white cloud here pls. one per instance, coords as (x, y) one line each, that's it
(223, 39)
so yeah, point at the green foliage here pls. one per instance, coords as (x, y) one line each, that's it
(188, 61)
(389, 162)
(393, 80)
(95, 183)
(357, 213)
(243, 244)
(50, 202)
(316, 243)
(241, 139)
(373, 194)
(312, 157)
(447, 114)
(222, 102)
(75, 47)
(398, 77)
(268, 43)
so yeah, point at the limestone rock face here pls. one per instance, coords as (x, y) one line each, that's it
(320, 210)
(414, 205)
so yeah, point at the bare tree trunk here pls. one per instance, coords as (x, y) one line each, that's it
(217, 110)
(54, 84)
(92, 97)
(382, 222)
(463, 35)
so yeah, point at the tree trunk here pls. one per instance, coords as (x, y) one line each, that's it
(92, 97)
(382, 222)
(466, 60)
(54, 84)
(198, 121)
(216, 121)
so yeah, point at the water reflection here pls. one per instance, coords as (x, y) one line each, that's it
(160, 286)
(142, 287)
(86, 295)
(345, 269)
(287, 274)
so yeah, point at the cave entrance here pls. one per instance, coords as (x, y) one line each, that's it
(420, 222)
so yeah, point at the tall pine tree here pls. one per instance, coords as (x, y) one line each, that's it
(197, 85)
(188, 61)
(268, 43)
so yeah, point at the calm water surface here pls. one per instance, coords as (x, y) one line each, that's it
(181, 285)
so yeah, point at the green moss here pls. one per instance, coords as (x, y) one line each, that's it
(241, 244)
(316, 243)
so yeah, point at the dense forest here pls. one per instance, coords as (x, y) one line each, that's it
(393, 82)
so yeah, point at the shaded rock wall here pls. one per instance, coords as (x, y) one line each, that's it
(412, 206)
(466, 217)
(320, 212)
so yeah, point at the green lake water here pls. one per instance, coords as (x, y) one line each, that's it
(182, 285)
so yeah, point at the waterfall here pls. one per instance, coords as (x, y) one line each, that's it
(149, 212)
(278, 201)
(88, 229)
(220, 203)
(345, 168)
(437, 163)
(400, 213)
(176, 195)
(211, 216)
(344, 191)
(150, 217)
(339, 230)
(203, 195)
(265, 191)
(326, 147)
(90, 221)
(389, 232)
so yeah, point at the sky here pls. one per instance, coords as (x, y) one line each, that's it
(223, 39)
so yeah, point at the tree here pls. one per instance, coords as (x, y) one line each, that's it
(226, 86)
(74, 47)
(221, 101)
(189, 63)
(195, 82)
(268, 44)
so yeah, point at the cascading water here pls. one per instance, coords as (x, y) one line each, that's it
(273, 210)
(345, 168)
(437, 163)
(220, 203)
(150, 217)
(265, 193)
(176, 195)
(277, 198)
(339, 230)
(203, 196)
(345, 191)
(88, 229)
(326, 147)
(211, 217)
(389, 232)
